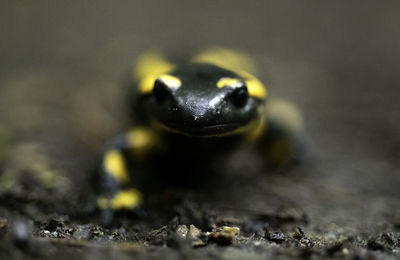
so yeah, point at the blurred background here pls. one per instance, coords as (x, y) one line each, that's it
(65, 67)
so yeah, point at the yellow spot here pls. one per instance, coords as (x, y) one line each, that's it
(237, 62)
(138, 138)
(140, 141)
(170, 81)
(150, 63)
(149, 66)
(146, 84)
(226, 58)
(254, 86)
(114, 164)
(125, 199)
(102, 203)
(230, 82)
(285, 114)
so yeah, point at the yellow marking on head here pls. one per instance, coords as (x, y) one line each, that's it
(140, 141)
(254, 86)
(226, 58)
(149, 66)
(237, 62)
(230, 82)
(171, 81)
(125, 199)
(114, 164)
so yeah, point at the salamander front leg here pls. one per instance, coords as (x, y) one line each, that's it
(283, 138)
(118, 170)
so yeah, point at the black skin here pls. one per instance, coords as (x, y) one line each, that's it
(196, 125)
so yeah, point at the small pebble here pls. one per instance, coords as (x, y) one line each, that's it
(225, 235)
(20, 234)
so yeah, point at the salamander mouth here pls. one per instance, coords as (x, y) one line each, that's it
(202, 130)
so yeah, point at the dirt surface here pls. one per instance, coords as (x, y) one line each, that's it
(64, 73)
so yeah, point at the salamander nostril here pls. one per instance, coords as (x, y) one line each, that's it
(161, 91)
(239, 96)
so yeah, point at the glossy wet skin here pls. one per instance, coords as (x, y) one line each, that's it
(198, 107)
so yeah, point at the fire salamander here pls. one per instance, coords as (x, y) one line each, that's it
(190, 116)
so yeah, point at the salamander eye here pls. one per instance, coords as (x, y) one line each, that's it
(161, 91)
(239, 96)
(164, 86)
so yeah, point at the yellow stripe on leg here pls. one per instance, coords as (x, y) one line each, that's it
(114, 164)
(103, 203)
(125, 199)
(141, 140)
